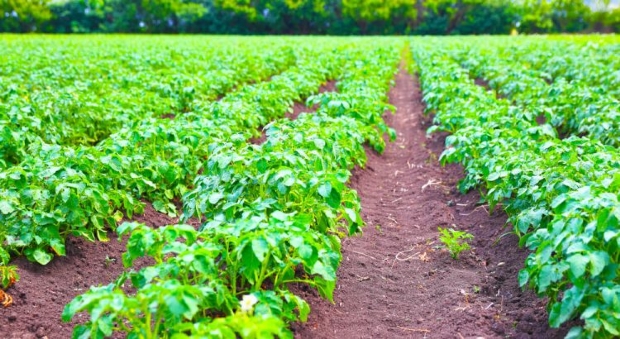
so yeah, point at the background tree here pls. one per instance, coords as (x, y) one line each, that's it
(336, 17)
(75, 16)
(23, 15)
(570, 15)
(467, 17)
(536, 16)
(604, 18)
(380, 17)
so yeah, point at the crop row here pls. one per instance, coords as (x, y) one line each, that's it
(561, 195)
(569, 104)
(59, 190)
(37, 106)
(273, 216)
(591, 63)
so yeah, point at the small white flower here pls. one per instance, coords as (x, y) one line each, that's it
(247, 303)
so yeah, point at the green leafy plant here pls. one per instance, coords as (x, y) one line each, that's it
(454, 241)
(562, 201)
(379, 229)
(8, 276)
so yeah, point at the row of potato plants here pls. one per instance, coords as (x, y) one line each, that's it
(561, 195)
(90, 109)
(272, 214)
(570, 105)
(58, 191)
(592, 62)
(78, 95)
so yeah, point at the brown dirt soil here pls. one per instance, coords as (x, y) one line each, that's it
(396, 280)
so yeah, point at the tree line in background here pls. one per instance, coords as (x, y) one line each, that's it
(336, 17)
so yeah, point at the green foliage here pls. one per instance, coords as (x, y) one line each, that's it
(561, 194)
(554, 16)
(455, 241)
(272, 214)
(582, 96)
(366, 12)
(306, 16)
(467, 17)
(52, 191)
(23, 16)
(8, 276)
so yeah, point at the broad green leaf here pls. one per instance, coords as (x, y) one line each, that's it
(333, 200)
(159, 206)
(6, 207)
(578, 263)
(325, 189)
(598, 261)
(611, 328)
(544, 278)
(319, 143)
(215, 197)
(41, 256)
(564, 310)
(260, 248)
(574, 333)
(524, 277)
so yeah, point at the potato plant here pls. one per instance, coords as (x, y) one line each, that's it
(561, 195)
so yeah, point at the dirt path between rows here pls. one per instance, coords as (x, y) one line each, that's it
(396, 281)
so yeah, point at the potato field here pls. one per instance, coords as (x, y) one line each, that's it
(309, 187)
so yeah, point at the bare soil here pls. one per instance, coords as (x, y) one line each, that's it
(395, 281)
